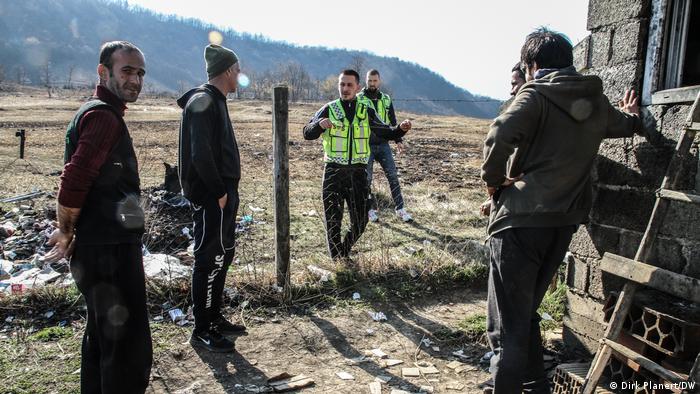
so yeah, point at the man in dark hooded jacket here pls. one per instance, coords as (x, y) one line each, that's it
(538, 157)
(210, 169)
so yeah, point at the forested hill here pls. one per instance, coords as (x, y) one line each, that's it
(57, 42)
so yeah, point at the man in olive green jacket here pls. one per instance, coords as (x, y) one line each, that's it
(538, 157)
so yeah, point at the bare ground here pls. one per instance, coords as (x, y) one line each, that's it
(441, 186)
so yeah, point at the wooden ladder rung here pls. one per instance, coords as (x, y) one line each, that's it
(678, 196)
(669, 282)
(644, 362)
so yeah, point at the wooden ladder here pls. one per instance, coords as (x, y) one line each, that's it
(637, 273)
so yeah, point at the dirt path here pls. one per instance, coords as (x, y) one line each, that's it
(321, 344)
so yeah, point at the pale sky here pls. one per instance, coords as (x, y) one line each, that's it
(473, 44)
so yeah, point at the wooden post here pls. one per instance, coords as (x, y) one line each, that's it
(280, 146)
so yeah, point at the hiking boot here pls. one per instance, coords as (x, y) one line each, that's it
(403, 215)
(211, 340)
(225, 327)
(372, 215)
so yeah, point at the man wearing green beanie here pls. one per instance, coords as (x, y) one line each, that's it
(209, 171)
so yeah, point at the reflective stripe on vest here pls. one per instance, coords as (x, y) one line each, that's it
(382, 107)
(336, 140)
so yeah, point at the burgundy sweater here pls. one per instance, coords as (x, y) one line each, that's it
(99, 132)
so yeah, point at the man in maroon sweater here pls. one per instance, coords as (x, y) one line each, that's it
(100, 224)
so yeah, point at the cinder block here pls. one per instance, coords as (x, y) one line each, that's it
(607, 12)
(620, 77)
(667, 254)
(626, 208)
(674, 119)
(600, 47)
(577, 274)
(578, 343)
(628, 41)
(691, 251)
(584, 306)
(582, 53)
(582, 244)
(682, 221)
(600, 283)
(629, 243)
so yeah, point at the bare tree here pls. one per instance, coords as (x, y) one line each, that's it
(46, 77)
(21, 75)
(181, 87)
(71, 70)
(329, 88)
(296, 77)
(2, 73)
(357, 63)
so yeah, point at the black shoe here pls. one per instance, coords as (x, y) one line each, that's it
(226, 327)
(211, 340)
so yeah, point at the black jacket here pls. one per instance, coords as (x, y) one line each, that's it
(208, 155)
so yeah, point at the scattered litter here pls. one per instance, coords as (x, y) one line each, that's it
(394, 391)
(486, 358)
(455, 386)
(547, 316)
(9, 319)
(355, 296)
(356, 360)
(49, 314)
(383, 379)
(461, 355)
(311, 213)
(379, 353)
(426, 389)
(375, 388)
(377, 316)
(176, 315)
(158, 318)
(426, 341)
(410, 372)
(256, 209)
(344, 375)
(427, 368)
(414, 274)
(320, 273)
(287, 382)
(390, 363)
(426, 242)
(435, 348)
(165, 267)
(369, 331)
(454, 155)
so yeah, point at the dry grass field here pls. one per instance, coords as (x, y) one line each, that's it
(427, 276)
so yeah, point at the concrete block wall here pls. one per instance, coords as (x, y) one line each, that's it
(627, 173)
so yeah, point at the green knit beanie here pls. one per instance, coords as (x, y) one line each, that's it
(218, 59)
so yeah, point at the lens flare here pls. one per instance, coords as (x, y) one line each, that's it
(243, 80)
(215, 37)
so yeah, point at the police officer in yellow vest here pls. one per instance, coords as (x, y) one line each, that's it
(381, 151)
(345, 126)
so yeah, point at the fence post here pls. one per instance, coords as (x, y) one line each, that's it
(280, 146)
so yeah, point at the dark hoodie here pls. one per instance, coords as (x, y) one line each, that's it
(550, 133)
(208, 157)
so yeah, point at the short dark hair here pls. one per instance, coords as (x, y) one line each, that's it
(352, 73)
(108, 49)
(373, 72)
(518, 69)
(548, 48)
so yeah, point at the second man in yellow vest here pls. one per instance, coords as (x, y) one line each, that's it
(345, 126)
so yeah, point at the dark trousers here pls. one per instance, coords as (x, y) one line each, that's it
(214, 246)
(523, 262)
(116, 352)
(382, 154)
(347, 184)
